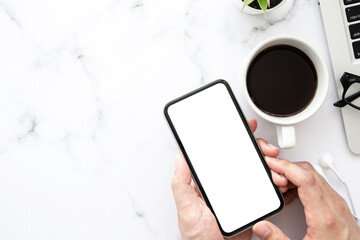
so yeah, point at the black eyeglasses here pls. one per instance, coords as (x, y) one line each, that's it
(351, 85)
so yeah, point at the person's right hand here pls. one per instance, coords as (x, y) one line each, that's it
(327, 214)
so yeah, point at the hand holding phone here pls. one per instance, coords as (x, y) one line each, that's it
(224, 159)
(196, 221)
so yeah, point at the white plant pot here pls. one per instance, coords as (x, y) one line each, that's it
(253, 11)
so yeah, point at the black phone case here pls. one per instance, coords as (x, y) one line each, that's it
(193, 172)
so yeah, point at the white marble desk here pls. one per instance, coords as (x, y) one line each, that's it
(84, 150)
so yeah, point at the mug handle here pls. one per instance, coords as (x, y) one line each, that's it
(286, 136)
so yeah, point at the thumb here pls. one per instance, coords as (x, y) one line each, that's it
(181, 182)
(182, 171)
(268, 231)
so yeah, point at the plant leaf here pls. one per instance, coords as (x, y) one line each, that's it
(246, 2)
(263, 5)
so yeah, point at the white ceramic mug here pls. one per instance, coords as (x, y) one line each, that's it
(285, 125)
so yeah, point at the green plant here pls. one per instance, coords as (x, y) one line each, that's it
(262, 3)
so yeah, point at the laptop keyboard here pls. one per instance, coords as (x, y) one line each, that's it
(356, 46)
(355, 31)
(347, 2)
(353, 13)
(353, 17)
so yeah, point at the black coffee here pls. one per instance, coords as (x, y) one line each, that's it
(281, 80)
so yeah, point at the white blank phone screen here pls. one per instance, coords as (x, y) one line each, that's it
(224, 157)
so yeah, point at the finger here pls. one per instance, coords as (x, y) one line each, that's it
(305, 165)
(268, 231)
(267, 148)
(321, 181)
(296, 174)
(309, 189)
(278, 179)
(182, 171)
(310, 168)
(291, 185)
(253, 124)
(181, 182)
(290, 195)
(283, 189)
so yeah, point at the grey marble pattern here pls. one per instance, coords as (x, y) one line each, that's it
(84, 150)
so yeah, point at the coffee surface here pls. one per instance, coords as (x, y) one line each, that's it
(281, 80)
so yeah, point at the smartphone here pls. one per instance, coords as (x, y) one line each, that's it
(224, 158)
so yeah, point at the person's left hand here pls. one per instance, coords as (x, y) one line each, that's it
(196, 221)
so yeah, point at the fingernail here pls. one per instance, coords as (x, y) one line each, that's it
(271, 146)
(282, 177)
(261, 229)
(270, 159)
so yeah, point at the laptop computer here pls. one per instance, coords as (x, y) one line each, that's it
(341, 20)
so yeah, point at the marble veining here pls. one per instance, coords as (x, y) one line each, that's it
(84, 150)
